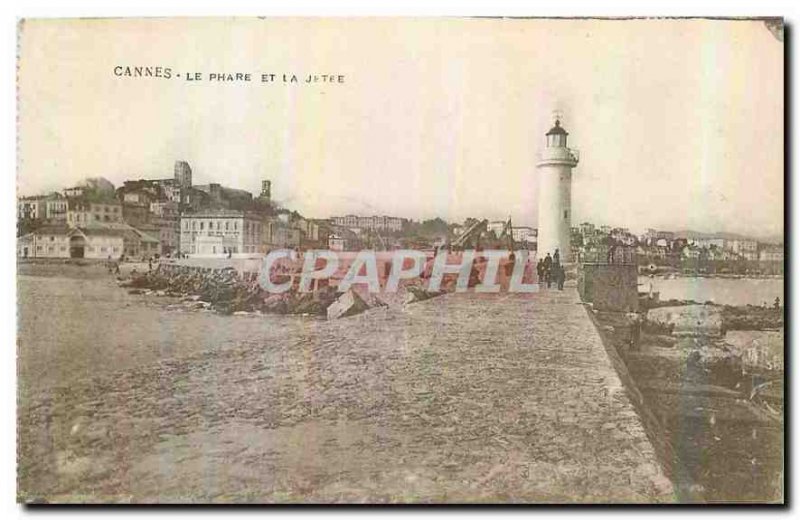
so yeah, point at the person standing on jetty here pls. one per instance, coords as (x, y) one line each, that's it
(540, 271)
(548, 264)
(558, 271)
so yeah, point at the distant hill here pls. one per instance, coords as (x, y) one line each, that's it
(687, 233)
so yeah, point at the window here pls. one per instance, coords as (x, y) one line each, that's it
(52, 239)
(226, 226)
(202, 224)
(566, 213)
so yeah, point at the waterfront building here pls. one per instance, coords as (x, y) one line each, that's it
(48, 241)
(771, 253)
(745, 247)
(94, 241)
(555, 166)
(708, 242)
(223, 231)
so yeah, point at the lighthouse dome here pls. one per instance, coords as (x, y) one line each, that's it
(557, 136)
(557, 130)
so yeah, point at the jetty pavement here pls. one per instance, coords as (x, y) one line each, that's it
(461, 398)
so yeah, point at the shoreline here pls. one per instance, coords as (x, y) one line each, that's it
(674, 276)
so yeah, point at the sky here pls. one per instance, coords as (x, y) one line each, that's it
(679, 123)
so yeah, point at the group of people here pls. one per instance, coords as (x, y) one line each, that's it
(550, 271)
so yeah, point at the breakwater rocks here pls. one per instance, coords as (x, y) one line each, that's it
(751, 317)
(712, 377)
(725, 317)
(227, 291)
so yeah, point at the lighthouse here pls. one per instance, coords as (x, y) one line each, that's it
(555, 166)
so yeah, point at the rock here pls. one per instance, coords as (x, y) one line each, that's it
(662, 484)
(374, 301)
(689, 320)
(348, 304)
(418, 294)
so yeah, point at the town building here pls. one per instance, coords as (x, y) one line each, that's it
(745, 247)
(42, 207)
(95, 241)
(282, 235)
(496, 227)
(136, 214)
(586, 229)
(342, 238)
(708, 242)
(165, 209)
(376, 223)
(48, 241)
(266, 191)
(771, 253)
(75, 191)
(653, 236)
(623, 236)
(313, 233)
(177, 189)
(523, 234)
(82, 212)
(222, 232)
(165, 218)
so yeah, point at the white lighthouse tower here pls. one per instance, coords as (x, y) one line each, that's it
(555, 191)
